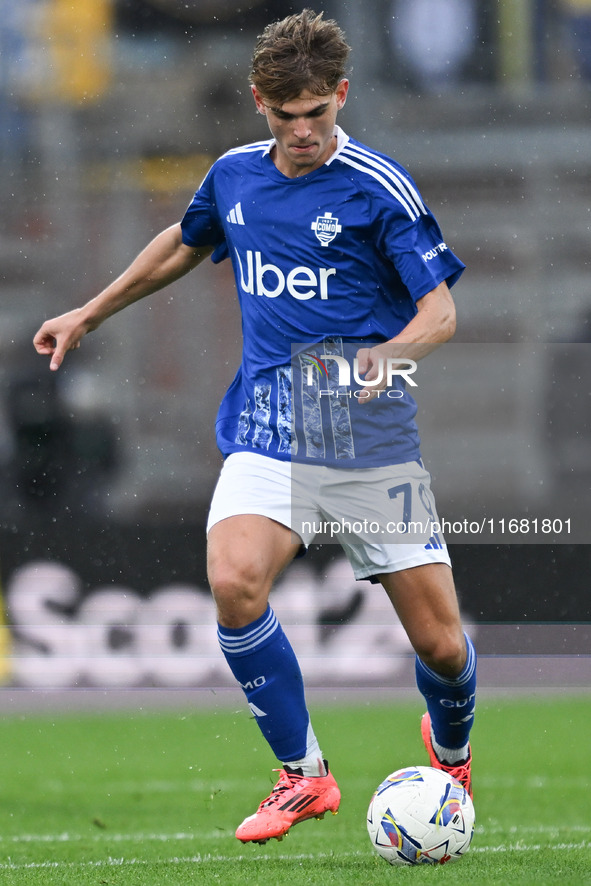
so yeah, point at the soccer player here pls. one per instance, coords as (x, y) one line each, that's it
(331, 244)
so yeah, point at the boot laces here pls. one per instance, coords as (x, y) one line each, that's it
(285, 783)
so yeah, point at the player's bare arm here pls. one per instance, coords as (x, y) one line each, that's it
(433, 324)
(164, 260)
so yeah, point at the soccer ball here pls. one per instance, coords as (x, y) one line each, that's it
(420, 815)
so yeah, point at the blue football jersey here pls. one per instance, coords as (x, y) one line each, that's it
(323, 263)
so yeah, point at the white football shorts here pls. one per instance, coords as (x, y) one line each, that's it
(372, 513)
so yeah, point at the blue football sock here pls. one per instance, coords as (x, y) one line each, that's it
(450, 702)
(262, 660)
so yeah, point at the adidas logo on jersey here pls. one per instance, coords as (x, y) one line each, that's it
(235, 216)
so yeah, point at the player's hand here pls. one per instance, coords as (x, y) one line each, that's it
(60, 335)
(378, 366)
(370, 368)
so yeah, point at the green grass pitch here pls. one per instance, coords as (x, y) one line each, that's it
(153, 798)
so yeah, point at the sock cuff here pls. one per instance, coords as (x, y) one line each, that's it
(465, 676)
(242, 641)
(468, 671)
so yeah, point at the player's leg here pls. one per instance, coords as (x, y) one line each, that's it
(425, 600)
(416, 573)
(246, 552)
(426, 603)
(245, 555)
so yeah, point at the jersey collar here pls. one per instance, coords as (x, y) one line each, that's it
(342, 139)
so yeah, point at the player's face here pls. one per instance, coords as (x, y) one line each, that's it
(303, 129)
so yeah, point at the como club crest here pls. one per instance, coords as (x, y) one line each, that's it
(326, 227)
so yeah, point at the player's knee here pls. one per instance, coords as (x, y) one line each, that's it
(239, 594)
(444, 653)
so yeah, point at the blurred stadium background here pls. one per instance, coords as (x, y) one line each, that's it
(110, 113)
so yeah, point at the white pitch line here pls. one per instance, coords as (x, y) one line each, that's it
(112, 837)
(221, 859)
(191, 859)
(223, 833)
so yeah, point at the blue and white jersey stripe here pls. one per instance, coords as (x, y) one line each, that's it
(252, 148)
(399, 186)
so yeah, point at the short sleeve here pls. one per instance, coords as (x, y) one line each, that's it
(413, 242)
(200, 224)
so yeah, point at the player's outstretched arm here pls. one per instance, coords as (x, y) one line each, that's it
(163, 261)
